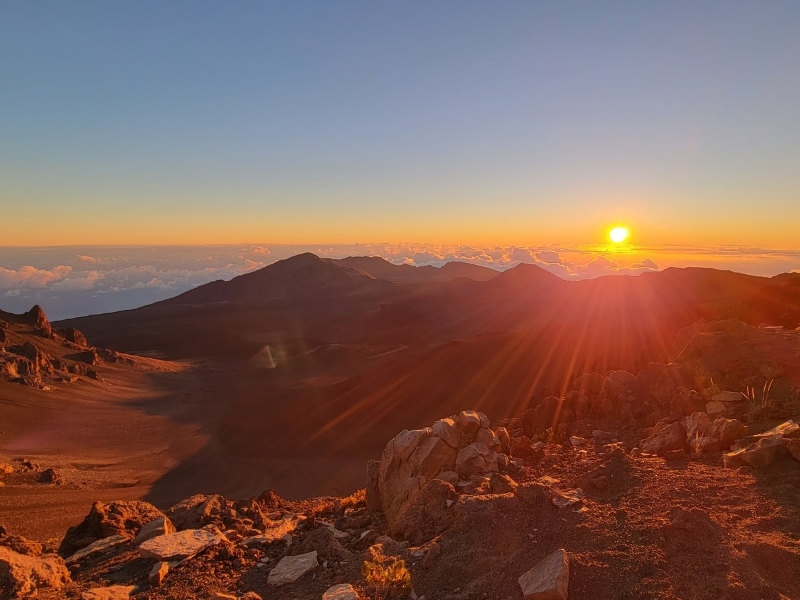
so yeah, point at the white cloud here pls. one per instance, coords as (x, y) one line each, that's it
(86, 282)
(31, 277)
(91, 259)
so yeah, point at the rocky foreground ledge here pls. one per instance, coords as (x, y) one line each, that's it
(473, 511)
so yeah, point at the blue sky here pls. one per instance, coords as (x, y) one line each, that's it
(449, 122)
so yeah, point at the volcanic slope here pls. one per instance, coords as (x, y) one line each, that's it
(331, 358)
(80, 423)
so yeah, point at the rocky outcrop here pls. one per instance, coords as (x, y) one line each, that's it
(760, 451)
(124, 518)
(198, 510)
(671, 437)
(428, 514)
(22, 574)
(414, 458)
(21, 545)
(73, 335)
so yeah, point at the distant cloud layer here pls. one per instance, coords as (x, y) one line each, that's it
(72, 281)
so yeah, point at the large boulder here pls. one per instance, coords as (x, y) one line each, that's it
(427, 515)
(728, 431)
(198, 510)
(476, 459)
(73, 335)
(672, 437)
(625, 398)
(413, 458)
(447, 430)
(397, 482)
(548, 580)
(698, 425)
(469, 421)
(22, 575)
(548, 413)
(432, 455)
(104, 520)
(762, 453)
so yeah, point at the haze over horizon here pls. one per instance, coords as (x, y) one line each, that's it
(456, 123)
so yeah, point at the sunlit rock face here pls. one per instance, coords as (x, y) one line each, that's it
(451, 452)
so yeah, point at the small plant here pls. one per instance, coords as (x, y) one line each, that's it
(385, 574)
(550, 436)
(752, 398)
(713, 388)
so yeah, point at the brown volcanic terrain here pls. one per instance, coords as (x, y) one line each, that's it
(292, 376)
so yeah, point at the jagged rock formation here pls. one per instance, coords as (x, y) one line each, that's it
(35, 355)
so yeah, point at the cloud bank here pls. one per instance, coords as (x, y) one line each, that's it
(73, 281)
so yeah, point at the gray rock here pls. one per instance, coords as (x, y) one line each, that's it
(728, 397)
(112, 592)
(160, 526)
(446, 430)
(787, 430)
(476, 459)
(343, 591)
(450, 477)
(716, 409)
(728, 431)
(468, 421)
(433, 455)
(672, 437)
(697, 425)
(567, 499)
(275, 531)
(548, 580)
(157, 573)
(488, 437)
(181, 545)
(292, 568)
(761, 454)
(98, 546)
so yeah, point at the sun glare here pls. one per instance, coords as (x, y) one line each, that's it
(619, 234)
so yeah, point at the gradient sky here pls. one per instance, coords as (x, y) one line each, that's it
(528, 123)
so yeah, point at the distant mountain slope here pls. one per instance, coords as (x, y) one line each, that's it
(305, 276)
(383, 269)
(353, 301)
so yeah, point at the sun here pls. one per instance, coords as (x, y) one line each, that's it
(619, 234)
